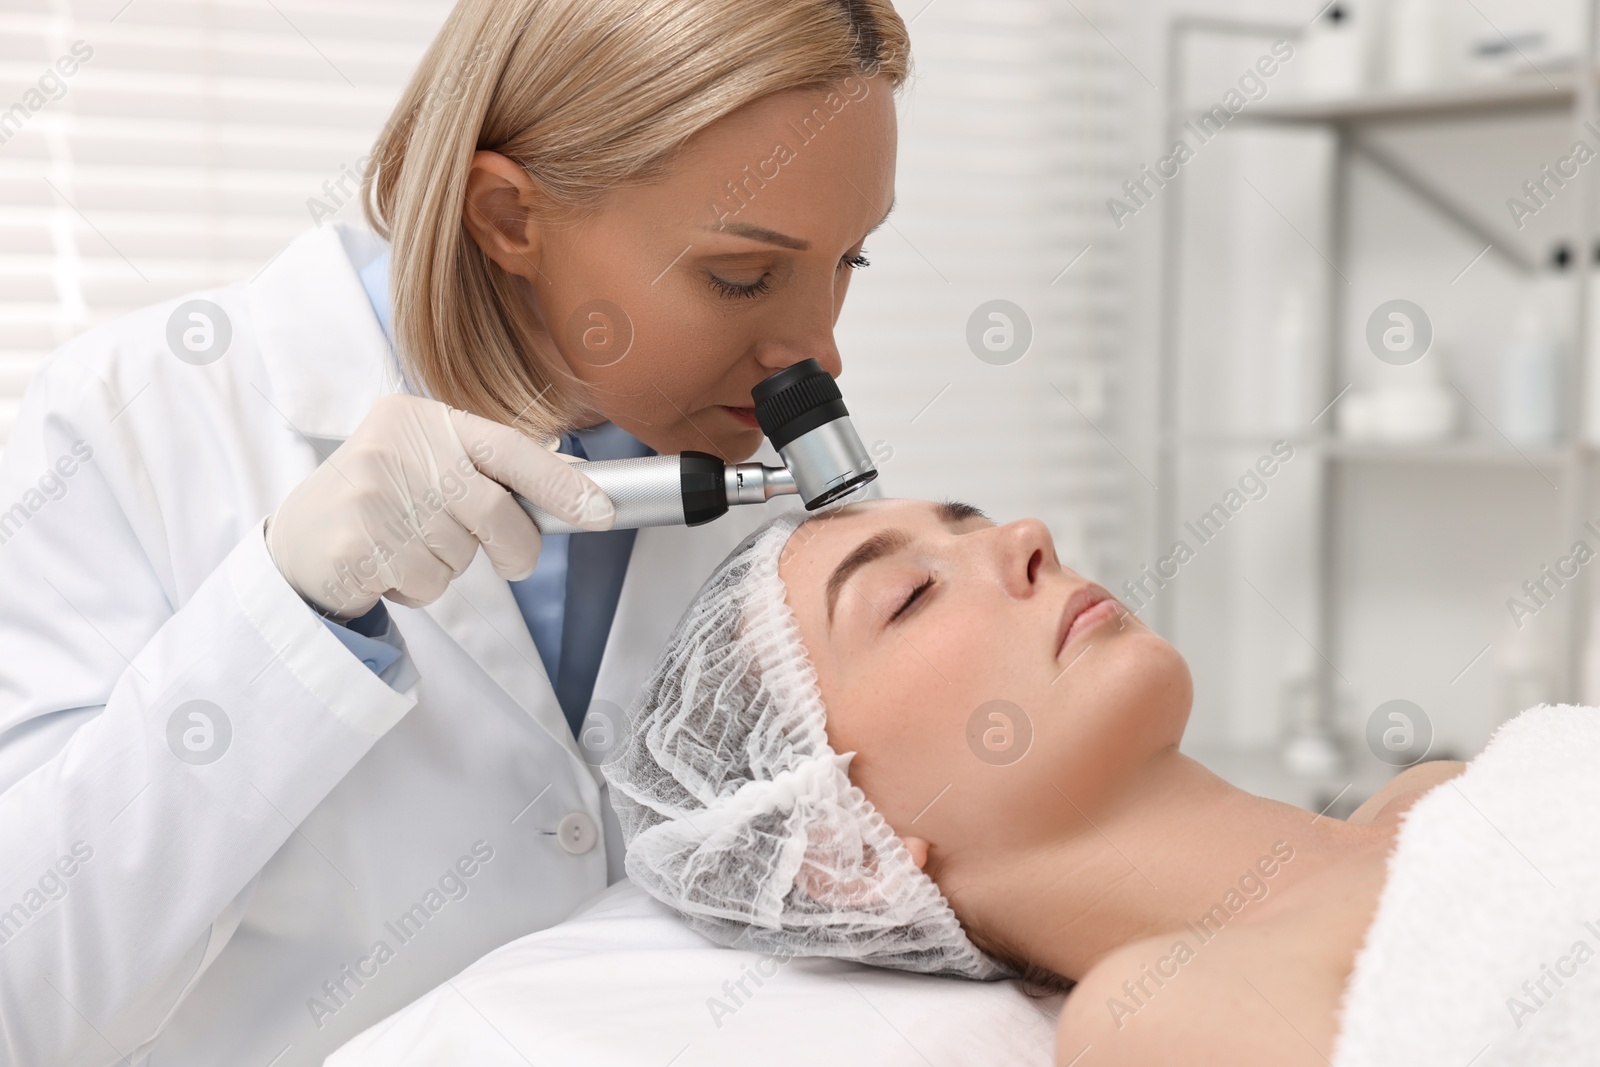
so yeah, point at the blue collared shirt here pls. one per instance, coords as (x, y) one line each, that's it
(570, 639)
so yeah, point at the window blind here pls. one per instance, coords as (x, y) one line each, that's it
(183, 149)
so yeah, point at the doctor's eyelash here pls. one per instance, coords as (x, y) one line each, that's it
(736, 291)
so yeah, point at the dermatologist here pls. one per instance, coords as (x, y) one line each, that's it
(290, 687)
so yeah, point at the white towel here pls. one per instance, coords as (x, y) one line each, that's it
(1485, 949)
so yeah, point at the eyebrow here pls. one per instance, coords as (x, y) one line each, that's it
(886, 543)
(773, 237)
(762, 234)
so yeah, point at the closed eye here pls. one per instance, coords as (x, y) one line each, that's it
(737, 291)
(915, 594)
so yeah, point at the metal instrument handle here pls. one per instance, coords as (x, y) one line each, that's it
(646, 491)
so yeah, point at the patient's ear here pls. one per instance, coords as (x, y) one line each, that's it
(819, 880)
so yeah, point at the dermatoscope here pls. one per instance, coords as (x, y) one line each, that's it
(803, 414)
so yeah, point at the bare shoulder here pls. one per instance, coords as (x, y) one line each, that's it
(1167, 999)
(1405, 789)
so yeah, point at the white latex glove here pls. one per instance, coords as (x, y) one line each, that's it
(400, 508)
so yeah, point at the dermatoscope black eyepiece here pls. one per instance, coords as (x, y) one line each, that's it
(802, 412)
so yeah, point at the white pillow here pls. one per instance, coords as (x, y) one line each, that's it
(625, 982)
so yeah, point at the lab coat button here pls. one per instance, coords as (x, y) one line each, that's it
(577, 833)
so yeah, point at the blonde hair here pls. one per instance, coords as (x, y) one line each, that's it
(587, 95)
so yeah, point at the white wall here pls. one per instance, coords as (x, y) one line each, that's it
(1013, 126)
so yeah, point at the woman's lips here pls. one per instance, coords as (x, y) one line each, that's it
(747, 416)
(1085, 609)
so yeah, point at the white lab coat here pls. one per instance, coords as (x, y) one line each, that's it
(353, 846)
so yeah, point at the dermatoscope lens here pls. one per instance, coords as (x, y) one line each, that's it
(802, 412)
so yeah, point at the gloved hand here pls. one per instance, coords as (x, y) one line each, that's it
(400, 508)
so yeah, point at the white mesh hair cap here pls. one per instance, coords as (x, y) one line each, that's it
(739, 815)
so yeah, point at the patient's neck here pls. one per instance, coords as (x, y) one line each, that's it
(1159, 856)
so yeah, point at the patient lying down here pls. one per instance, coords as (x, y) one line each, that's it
(994, 788)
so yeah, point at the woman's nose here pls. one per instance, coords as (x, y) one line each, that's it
(778, 355)
(1027, 552)
(803, 331)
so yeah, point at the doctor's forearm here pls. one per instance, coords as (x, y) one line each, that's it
(225, 731)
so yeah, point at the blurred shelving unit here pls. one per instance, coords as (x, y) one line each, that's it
(1455, 451)
(1352, 121)
(1467, 100)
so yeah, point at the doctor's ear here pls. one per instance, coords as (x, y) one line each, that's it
(501, 213)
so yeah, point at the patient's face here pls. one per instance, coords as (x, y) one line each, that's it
(952, 616)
